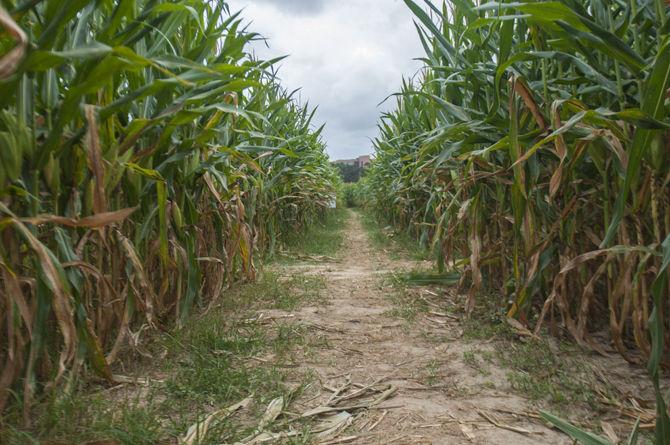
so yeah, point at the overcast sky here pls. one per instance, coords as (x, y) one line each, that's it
(346, 55)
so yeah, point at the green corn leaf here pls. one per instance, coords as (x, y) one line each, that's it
(581, 436)
(653, 105)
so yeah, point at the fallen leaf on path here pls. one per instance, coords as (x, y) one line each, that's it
(273, 411)
(268, 437)
(341, 440)
(117, 378)
(519, 328)
(374, 425)
(609, 432)
(467, 431)
(333, 425)
(495, 422)
(198, 430)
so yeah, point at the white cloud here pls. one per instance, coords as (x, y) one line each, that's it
(346, 55)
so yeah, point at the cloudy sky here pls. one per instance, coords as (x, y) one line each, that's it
(346, 55)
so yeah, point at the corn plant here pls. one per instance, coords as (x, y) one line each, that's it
(532, 153)
(146, 160)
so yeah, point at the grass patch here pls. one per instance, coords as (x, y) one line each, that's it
(485, 329)
(323, 238)
(432, 372)
(80, 416)
(541, 375)
(273, 291)
(488, 320)
(537, 370)
(215, 360)
(398, 244)
(471, 358)
(405, 304)
(426, 278)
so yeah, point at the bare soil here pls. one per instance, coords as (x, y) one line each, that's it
(440, 399)
(383, 376)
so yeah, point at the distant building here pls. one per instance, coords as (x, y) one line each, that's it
(352, 169)
(360, 162)
(364, 161)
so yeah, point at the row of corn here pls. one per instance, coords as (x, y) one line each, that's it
(533, 154)
(146, 159)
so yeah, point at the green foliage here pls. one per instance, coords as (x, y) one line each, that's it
(322, 238)
(584, 437)
(210, 362)
(350, 173)
(146, 158)
(352, 194)
(532, 153)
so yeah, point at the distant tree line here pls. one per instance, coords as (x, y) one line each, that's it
(350, 173)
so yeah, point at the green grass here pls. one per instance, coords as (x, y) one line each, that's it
(79, 417)
(432, 372)
(472, 359)
(405, 305)
(323, 238)
(487, 320)
(158, 148)
(485, 328)
(215, 360)
(542, 375)
(274, 291)
(548, 378)
(399, 245)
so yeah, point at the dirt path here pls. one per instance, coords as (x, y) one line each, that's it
(440, 399)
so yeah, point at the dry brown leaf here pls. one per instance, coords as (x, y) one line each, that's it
(61, 299)
(142, 381)
(273, 411)
(374, 425)
(333, 425)
(198, 430)
(493, 421)
(609, 432)
(522, 90)
(363, 405)
(10, 61)
(269, 437)
(519, 328)
(92, 222)
(467, 431)
(147, 289)
(15, 292)
(340, 440)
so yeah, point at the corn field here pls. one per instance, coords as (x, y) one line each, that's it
(533, 154)
(146, 159)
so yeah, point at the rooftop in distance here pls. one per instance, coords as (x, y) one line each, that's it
(361, 161)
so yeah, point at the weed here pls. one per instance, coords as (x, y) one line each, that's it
(471, 359)
(397, 244)
(405, 304)
(276, 292)
(209, 363)
(79, 416)
(323, 238)
(432, 369)
(544, 376)
(478, 329)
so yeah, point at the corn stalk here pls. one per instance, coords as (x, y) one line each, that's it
(533, 154)
(146, 161)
